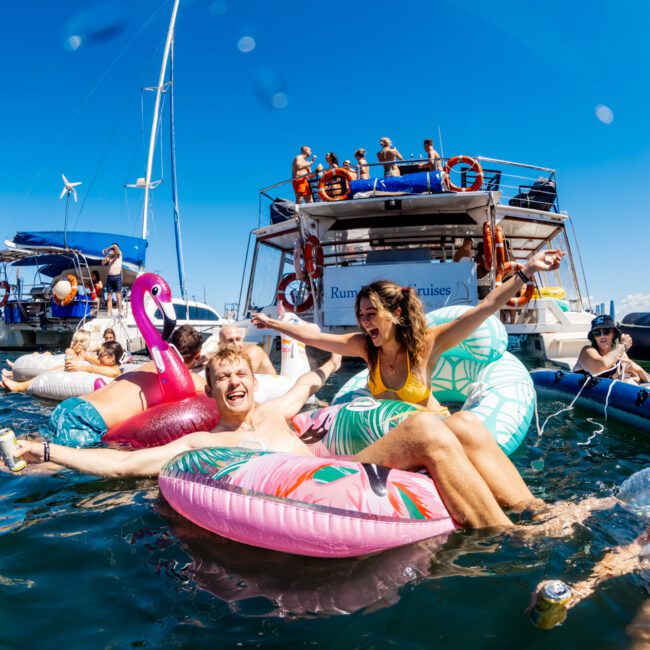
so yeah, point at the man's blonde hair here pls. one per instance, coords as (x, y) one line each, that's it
(226, 355)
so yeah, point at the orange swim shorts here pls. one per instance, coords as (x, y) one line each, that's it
(301, 187)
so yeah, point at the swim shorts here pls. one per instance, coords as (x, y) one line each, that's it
(76, 423)
(114, 283)
(301, 187)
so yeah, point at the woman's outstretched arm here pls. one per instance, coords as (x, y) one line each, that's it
(347, 345)
(448, 335)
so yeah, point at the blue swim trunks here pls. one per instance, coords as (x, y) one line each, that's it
(76, 423)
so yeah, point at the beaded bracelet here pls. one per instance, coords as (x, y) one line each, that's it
(523, 277)
(46, 451)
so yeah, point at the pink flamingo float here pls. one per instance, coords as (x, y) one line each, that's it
(183, 411)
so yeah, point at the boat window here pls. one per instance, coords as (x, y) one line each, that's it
(265, 281)
(195, 313)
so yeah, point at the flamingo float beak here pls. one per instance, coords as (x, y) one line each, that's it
(169, 319)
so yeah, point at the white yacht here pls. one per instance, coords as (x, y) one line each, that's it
(409, 231)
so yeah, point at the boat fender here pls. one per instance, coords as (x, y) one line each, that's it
(66, 300)
(327, 177)
(475, 167)
(4, 285)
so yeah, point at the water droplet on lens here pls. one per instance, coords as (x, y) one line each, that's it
(73, 42)
(280, 100)
(604, 113)
(94, 25)
(218, 8)
(246, 44)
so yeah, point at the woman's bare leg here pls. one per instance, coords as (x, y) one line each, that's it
(423, 440)
(497, 470)
(15, 386)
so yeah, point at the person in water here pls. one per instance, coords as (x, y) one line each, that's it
(82, 421)
(421, 441)
(109, 356)
(230, 336)
(606, 356)
(401, 353)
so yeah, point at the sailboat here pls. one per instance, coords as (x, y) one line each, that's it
(33, 316)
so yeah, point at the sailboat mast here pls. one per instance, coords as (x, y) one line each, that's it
(172, 146)
(156, 111)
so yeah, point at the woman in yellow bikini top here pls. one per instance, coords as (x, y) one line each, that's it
(395, 341)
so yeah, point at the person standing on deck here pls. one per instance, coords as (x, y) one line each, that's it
(389, 154)
(300, 172)
(364, 169)
(432, 163)
(114, 280)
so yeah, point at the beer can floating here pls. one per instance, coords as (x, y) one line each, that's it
(7, 447)
(550, 609)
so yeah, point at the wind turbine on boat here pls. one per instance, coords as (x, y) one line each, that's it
(68, 189)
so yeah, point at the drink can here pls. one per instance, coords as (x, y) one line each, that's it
(7, 447)
(550, 609)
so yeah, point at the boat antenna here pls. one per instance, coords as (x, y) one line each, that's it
(172, 147)
(154, 123)
(442, 149)
(68, 189)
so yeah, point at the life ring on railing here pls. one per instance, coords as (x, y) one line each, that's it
(297, 308)
(327, 177)
(314, 257)
(500, 247)
(4, 285)
(524, 296)
(487, 246)
(71, 295)
(475, 167)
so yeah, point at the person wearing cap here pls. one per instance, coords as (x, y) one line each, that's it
(607, 354)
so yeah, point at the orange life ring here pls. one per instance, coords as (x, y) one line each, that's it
(500, 247)
(282, 287)
(474, 165)
(329, 175)
(4, 285)
(487, 246)
(314, 257)
(73, 292)
(524, 297)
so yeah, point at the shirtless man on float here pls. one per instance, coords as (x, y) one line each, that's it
(230, 336)
(420, 441)
(300, 172)
(389, 154)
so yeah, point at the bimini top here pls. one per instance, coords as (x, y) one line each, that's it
(89, 244)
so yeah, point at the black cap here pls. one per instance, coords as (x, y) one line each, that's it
(603, 322)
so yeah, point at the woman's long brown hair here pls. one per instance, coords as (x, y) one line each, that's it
(411, 325)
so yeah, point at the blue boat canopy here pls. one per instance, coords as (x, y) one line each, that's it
(90, 244)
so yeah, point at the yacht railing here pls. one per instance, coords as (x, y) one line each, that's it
(519, 183)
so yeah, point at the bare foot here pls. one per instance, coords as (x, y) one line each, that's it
(13, 386)
(10, 363)
(7, 373)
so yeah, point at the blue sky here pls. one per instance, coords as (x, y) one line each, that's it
(512, 80)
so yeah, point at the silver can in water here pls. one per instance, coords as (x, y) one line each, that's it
(7, 448)
(550, 609)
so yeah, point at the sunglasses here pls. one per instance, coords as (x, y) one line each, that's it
(603, 332)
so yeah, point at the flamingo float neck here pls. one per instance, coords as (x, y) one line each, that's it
(175, 379)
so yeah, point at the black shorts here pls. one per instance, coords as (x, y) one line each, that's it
(114, 283)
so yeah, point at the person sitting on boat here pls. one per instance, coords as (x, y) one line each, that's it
(433, 162)
(96, 290)
(420, 441)
(301, 172)
(606, 356)
(109, 356)
(387, 155)
(465, 251)
(362, 163)
(230, 336)
(113, 257)
(347, 165)
(401, 353)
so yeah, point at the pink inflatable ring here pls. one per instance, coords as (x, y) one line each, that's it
(322, 507)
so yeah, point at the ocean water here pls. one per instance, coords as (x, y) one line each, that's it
(96, 563)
